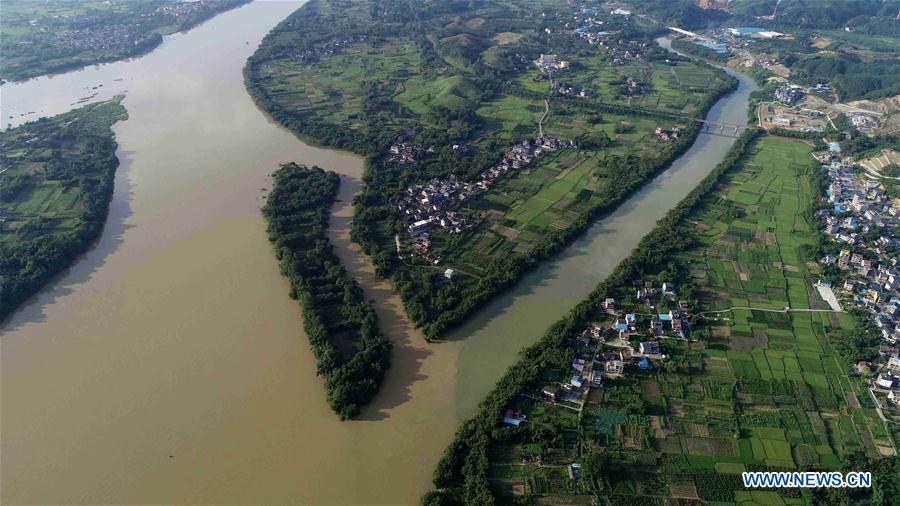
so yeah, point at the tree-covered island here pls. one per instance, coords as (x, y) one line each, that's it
(351, 353)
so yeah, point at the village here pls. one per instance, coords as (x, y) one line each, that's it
(549, 62)
(568, 90)
(425, 206)
(406, 150)
(619, 342)
(326, 50)
(103, 37)
(670, 134)
(619, 51)
(863, 221)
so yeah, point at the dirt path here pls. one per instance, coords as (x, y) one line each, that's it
(541, 121)
(767, 310)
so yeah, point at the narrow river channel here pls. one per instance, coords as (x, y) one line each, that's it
(168, 364)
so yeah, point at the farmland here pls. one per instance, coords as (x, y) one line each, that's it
(744, 390)
(56, 179)
(311, 88)
(428, 95)
(561, 188)
(679, 87)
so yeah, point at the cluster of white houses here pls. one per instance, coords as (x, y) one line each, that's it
(863, 220)
(425, 206)
(549, 62)
(100, 37)
(619, 50)
(599, 38)
(406, 150)
(670, 134)
(887, 380)
(623, 54)
(94, 31)
(789, 93)
(568, 90)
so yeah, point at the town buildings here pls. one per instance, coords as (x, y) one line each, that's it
(862, 222)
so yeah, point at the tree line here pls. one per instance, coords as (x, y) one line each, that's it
(851, 77)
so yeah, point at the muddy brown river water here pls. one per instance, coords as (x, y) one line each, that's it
(168, 365)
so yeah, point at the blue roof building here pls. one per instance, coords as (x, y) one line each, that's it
(715, 46)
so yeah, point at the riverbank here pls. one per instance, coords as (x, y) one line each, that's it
(548, 293)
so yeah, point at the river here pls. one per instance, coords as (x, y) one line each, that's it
(168, 364)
